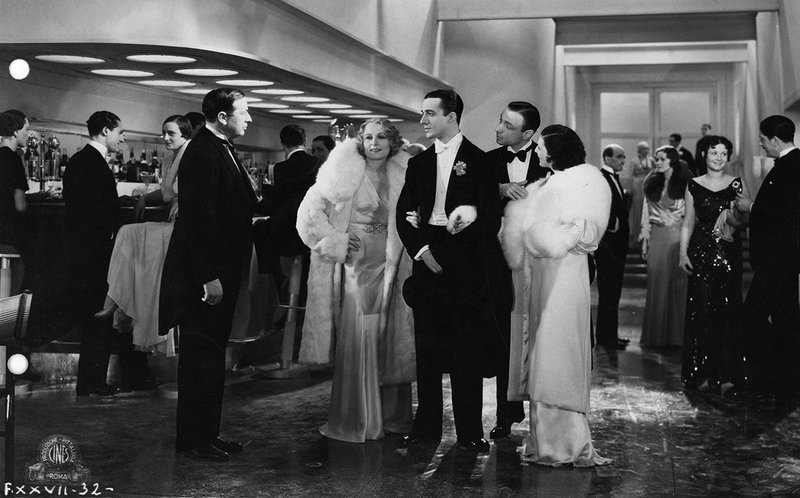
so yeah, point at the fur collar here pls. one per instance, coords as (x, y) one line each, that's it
(341, 175)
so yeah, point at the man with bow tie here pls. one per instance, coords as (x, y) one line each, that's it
(611, 253)
(203, 270)
(457, 301)
(515, 165)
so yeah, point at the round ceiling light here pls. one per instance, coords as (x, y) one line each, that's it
(166, 83)
(267, 105)
(396, 120)
(312, 116)
(19, 69)
(304, 98)
(349, 111)
(161, 59)
(244, 82)
(278, 91)
(207, 72)
(329, 105)
(124, 73)
(290, 111)
(195, 91)
(70, 59)
(368, 116)
(322, 120)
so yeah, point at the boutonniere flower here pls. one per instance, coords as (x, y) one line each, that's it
(460, 168)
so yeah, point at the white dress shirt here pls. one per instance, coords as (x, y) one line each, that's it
(102, 149)
(518, 170)
(445, 157)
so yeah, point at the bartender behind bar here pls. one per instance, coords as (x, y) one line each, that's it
(92, 213)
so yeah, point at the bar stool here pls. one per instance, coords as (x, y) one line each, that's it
(289, 369)
(7, 254)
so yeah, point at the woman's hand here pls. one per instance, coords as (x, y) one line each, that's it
(645, 247)
(413, 218)
(354, 244)
(140, 203)
(167, 193)
(685, 264)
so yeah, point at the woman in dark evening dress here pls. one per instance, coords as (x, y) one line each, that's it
(712, 257)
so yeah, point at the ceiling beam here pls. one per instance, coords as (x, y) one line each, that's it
(471, 10)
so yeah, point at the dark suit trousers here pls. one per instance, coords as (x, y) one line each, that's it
(772, 322)
(98, 339)
(610, 262)
(467, 389)
(508, 412)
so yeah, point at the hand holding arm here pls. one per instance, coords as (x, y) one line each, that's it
(513, 190)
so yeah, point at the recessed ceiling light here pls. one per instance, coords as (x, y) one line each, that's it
(207, 72)
(395, 120)
(69, 59)
(267, 105)
(252, 99)
(161, 59)
(312, 116)
(367, 116)
(195, 91)
(244, 82)
(277, 91)
(349, 111)
(322, 120)
(304, 98)
(290, 111)
(125, 73)
(170, 83)
(330, 105)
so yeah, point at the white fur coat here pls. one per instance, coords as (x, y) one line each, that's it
(567, 212)
(322, 221)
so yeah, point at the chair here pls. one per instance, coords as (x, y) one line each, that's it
(14, 314)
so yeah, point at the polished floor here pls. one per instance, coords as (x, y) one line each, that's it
(662, 442)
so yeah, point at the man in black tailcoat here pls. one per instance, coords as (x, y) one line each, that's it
(772, 314)
(203, 269)
(92, 219)
(515, 166)
(451, 189)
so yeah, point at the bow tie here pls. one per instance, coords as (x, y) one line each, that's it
(521, 155)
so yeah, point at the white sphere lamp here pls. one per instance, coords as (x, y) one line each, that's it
(17, 364)
(19, 69)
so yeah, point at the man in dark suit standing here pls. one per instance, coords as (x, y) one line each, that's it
(92, 218)
(515, 165)
(610, 254)
(772, 314)
(686, 156)
(291, 180)
(203, 269)
(455, 298)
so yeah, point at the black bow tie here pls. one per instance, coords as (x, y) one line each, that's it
(521, 155)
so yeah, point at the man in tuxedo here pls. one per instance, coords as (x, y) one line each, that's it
(700, 168)
(610, 254)
(456, 300)
(291, 180)
(92, 219)
(515, 165)
(772, 315)
(686, 156)
(210, 244)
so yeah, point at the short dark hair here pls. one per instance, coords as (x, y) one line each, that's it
(451, 102)
(327, 141)
(220, 100)
(676, 189)
(195, 118)
(293, 135)
(100, 120)
(564, 147)
(677, 137)
(183, 124)
(11, 122)
(778, 126)
(712, 141)
(392, 133)
(530, 114)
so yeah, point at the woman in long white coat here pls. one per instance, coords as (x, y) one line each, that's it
(551, 231)
(355, 306)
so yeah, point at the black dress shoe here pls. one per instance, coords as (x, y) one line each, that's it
(103, 391)
(500, 430)
(415, 438)
(477, 445)
(208, 452)
(230, 447)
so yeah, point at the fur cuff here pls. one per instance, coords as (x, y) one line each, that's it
(464, 214)
(333, 248)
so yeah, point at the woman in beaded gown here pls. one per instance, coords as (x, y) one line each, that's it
(711, 254)
(662, 218)
(355, 306)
